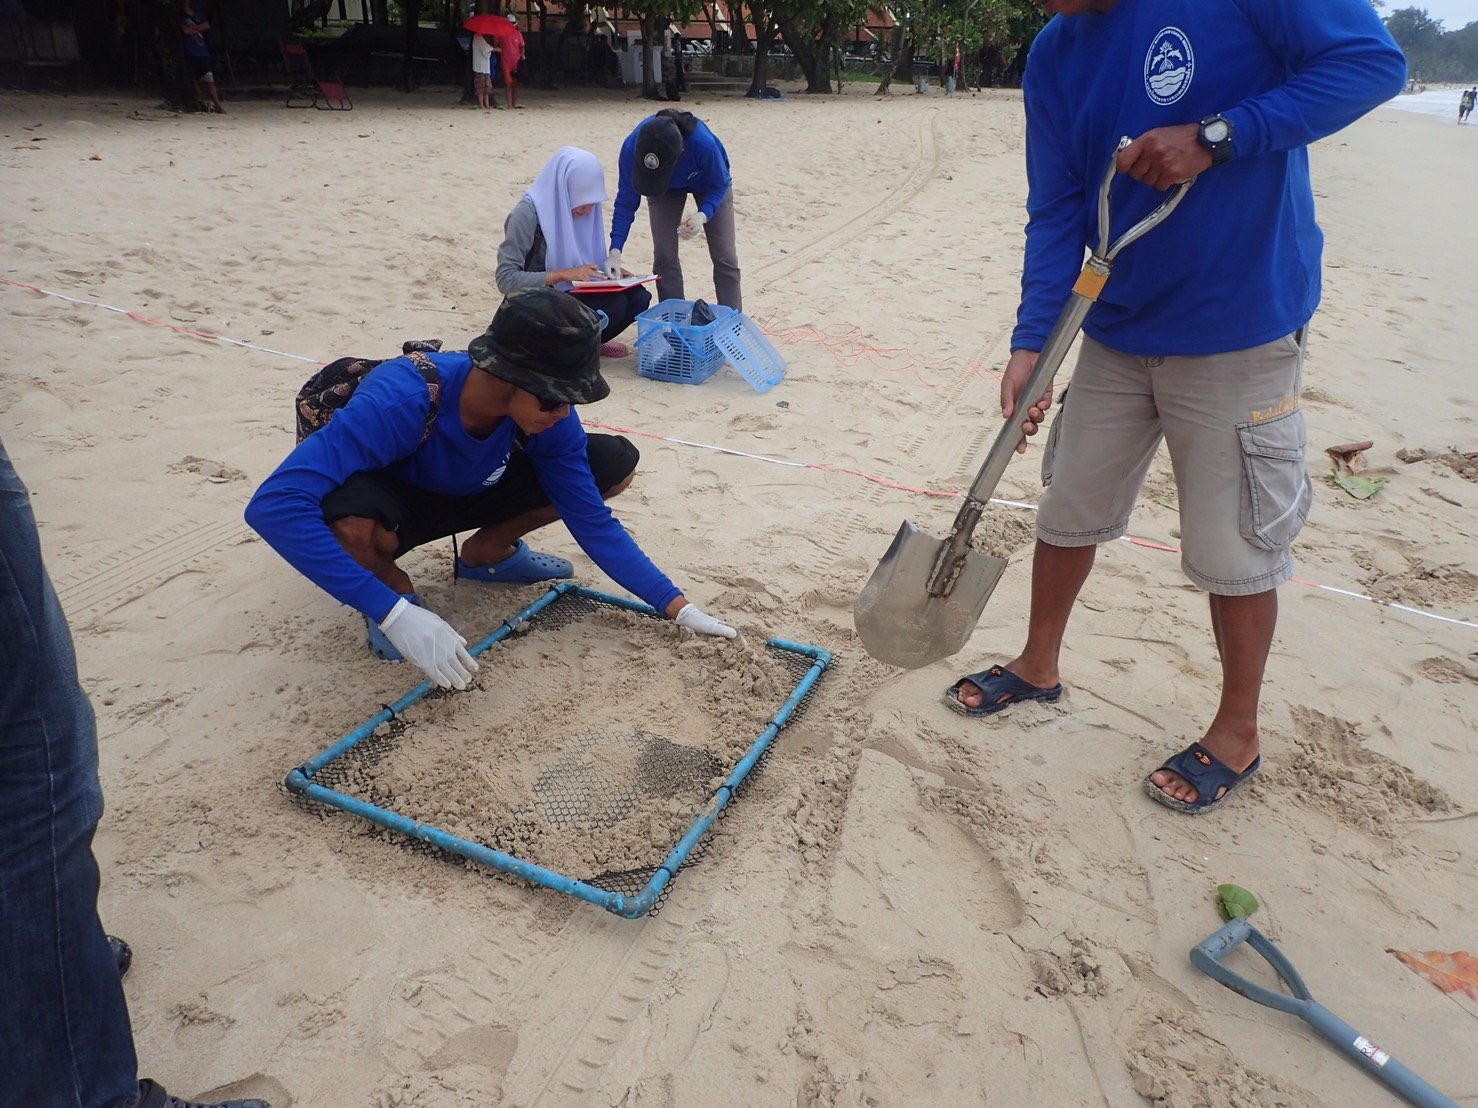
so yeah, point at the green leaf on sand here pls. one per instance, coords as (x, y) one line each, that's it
(1235, 902)
(1358, 485)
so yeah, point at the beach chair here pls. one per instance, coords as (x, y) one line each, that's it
(305, 89)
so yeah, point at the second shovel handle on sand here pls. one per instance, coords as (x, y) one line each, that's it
(1086, 291)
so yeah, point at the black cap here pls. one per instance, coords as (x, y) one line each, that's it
(546, 342)
(659, 144)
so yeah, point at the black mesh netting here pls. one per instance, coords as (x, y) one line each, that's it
(593, 781)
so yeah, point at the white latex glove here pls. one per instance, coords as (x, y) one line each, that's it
(431, 642)
(613, 264)
(695, 619)
(690, 227)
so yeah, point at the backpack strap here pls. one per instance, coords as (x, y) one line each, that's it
(432, 376)
(331, 388)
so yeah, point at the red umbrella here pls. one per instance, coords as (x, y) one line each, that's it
(494, 26)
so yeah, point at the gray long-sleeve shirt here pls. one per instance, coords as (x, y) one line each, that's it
(521, 257)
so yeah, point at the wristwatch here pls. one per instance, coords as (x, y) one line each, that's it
(1215, 134)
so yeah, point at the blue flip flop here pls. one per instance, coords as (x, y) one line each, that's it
(524, 566)
(1206, 774)
(1000, 688)
(379, 643)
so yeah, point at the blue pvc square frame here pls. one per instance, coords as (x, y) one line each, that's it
(300, 781)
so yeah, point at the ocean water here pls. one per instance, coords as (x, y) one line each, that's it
(1435, 101)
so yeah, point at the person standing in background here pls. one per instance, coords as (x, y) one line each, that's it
(482, 72)
(193, 26)
(670, 90)
(512, 55)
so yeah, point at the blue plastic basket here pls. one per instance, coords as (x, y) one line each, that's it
(670, 349)
(741, 341)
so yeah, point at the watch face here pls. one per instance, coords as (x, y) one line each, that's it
(1216, 131)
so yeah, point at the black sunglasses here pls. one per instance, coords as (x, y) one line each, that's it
(545, 404)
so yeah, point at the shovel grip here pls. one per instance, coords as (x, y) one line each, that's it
(1090, 284)
(1207, 955)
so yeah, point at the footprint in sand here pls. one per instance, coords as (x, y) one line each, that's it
(1333, 770)
(915, 872)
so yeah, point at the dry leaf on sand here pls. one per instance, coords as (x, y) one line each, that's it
(1454, 972)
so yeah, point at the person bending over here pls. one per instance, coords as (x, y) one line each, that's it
(504, 455)
(668, 157)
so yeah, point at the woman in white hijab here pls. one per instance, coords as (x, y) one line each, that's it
(556, 234)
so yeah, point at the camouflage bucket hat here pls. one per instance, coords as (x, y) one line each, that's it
(546, 342)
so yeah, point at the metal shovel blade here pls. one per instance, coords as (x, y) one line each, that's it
(921, 603)
(896, 618)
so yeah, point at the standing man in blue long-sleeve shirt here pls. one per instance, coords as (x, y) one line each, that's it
(504, 453)
(1198, 338)
(668, 157)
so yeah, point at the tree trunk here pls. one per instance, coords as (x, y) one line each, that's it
(764, 36)
(575, 24)
(809, 54)
(737, 37)
(648, 36)
(412, 10)
(900, 63)
(379, 12)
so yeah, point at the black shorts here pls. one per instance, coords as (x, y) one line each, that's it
(200, 68)
(417, 516)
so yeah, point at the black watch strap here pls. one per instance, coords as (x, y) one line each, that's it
(1215, 134)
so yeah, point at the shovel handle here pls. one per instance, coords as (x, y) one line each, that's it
(1206, 956)
(1084, 295)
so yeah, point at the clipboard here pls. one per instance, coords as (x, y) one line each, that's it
(611, 284)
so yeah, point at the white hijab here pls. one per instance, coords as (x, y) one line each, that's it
(572, 178)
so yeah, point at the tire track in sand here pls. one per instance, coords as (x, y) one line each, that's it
(126, 575)
(586, 995)
(926, 165)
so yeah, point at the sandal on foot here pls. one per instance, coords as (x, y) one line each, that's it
(1212, 779)
(379, 642)
(524, 566)
(999, 689)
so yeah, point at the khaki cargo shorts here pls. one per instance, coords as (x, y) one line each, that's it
(1237, 440)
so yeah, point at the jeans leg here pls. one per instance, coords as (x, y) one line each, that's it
(63, 1020)
(664, 213)
(724, 251)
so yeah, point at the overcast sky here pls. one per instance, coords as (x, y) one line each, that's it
(1455, 14)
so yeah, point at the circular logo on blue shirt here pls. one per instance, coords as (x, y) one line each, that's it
(1169, 66)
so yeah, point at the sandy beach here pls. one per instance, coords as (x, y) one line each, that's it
(906, 907)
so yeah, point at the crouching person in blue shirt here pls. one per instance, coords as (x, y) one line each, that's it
(504, 454)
